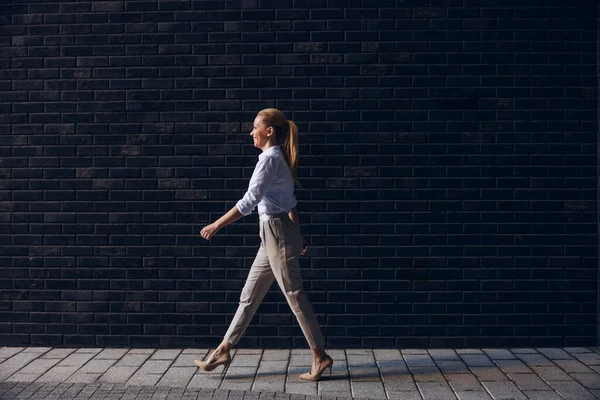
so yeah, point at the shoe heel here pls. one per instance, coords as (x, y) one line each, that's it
(225, 368)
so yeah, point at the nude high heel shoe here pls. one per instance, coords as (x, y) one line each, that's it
(327, 362)
(212, 362)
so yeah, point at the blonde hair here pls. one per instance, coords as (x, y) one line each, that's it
(284, 129)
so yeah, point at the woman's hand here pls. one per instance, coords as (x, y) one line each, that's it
(304, 246)
(209, 231)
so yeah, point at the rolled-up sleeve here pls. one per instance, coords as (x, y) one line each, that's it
(263, 175)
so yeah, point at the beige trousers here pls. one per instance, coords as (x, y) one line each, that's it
(277, 259)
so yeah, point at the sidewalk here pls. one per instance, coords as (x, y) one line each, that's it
(465, 374)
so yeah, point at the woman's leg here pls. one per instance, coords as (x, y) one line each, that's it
(283, 243)
(257, 285)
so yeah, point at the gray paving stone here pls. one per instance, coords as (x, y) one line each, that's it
(473, 395)
(362, 374)
(21, 377)
(38, 366)
(110, 354)
(165, 354)
(117, 374)
(542, 395)
(88, 350)
(464, 382)
(271, 386)
(390, 363)
(529, 382)
(58, 353)
(400, 383)
(142, 351)
(413, 395)
(76, 359)
(34, 349)
(489, 374)
(337, 383)
(444, 355)
(574, 350)
(294, 372)
(359, 352)
(276, 355)
(573, 366)
(143, 378)
(155, 366)
(206, 380)
(419, 360)
(362, 367)
(536, 360)
(551, 374)
(504, 390)
(524, 351)
(382, 355)
(271, 376)
(177, 376)
(452, 367)
(588, 358)
(306, 388)
(238, 378)
(186, 359)
(245, 360)
(513, 366)
(555, 354)
(368, 389)
(58, 373)
(572, 390)
(499, 354)
(249, 351)
(477, 360)
(96, 366)
(427, 374)
(469, 351)
(435, 391)
(337, 355)
(83, 378)
(413, 351)
(16, 362)
(589, 381)
(7, 352)
(304, 360)
(132, 360)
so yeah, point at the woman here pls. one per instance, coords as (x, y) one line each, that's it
(271, 188)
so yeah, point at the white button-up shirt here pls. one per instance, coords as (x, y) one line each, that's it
(271, 186)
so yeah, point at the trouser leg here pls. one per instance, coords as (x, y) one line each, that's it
(283, 243)
(257, 284)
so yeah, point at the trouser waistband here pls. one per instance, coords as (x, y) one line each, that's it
(266, 217)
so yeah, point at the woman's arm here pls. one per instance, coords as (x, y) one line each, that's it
(210, 230)
(293, 214)
(231, 216)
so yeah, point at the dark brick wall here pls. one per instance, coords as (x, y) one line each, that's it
(448, 158)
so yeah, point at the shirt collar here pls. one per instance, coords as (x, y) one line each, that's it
(270, 150)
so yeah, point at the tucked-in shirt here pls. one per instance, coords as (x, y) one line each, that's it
(271, 186)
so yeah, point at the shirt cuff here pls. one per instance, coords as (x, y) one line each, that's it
(242, 209)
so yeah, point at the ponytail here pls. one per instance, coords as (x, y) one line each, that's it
(290, 150)
(284, 127)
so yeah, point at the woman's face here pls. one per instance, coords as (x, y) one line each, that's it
(261, 134)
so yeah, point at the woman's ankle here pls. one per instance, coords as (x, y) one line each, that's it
(224, 347)
(319, 354)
